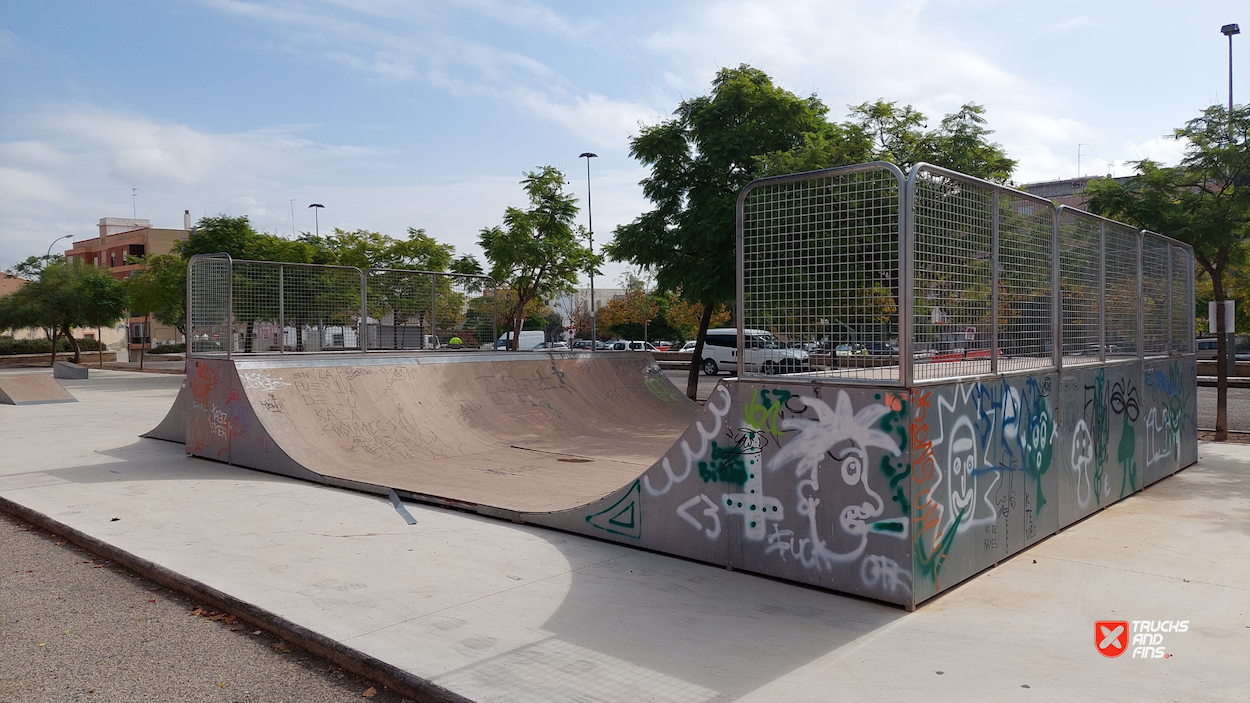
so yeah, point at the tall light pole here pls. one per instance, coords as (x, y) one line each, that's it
(1229, 30)
(317, 216)
(293, 217)
(54, 241)
(590, 219)
(134, 193)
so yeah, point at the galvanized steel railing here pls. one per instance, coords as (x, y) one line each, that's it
(266, 307)
(861, 267)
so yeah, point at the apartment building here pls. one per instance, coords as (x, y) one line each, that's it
(120, 238)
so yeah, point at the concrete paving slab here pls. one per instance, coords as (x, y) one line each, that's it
(495, 611)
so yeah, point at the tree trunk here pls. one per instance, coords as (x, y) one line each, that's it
(73, 343)
(1221, 362)
(143, 337)
(56, 335)
(696, 357)
(99, 346)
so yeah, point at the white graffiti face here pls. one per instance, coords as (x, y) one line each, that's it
(1082, 462)
(962, 460)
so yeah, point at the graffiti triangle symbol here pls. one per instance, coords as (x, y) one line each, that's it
(624, 517)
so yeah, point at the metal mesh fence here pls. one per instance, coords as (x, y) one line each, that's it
(1080, 277)
(208, 305)
(281, 307)
(983, 279)
(260, 307)
(1025, 320)
(1155, 286)
(820, 273)
(1182, 300)
(424, 310)
(1121, 246)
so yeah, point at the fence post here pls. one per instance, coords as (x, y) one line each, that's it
(433, 308)
(906, 271)
(494, 320)
(1102, 292)
(1141, 300)
(281, 310)
(362, 335)
(229, 307)
(189, 314)
(994, 226)
(1056, 283)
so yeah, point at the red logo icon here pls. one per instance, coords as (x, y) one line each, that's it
(1111, 637)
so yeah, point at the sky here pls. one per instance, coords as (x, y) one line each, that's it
(406, 113)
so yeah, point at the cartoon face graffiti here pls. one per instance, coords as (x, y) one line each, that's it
(961, 460)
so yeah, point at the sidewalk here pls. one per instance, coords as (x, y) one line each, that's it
(460, 605)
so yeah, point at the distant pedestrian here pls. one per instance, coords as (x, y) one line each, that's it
(456, 342)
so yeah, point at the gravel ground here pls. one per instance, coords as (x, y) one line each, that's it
(74, 627)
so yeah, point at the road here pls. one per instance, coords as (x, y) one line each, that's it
(74, 627)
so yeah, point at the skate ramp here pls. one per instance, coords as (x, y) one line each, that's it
(522, 433)
(32, 389)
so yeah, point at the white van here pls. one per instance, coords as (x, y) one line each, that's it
(763, 353)
(529, 340)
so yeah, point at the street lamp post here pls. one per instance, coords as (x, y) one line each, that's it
(1229, 30)
(1230, 336)
(317, 216)
(590, 219)
(54, 241)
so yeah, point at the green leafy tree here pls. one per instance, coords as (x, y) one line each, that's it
(537, 254)
(700, 160)
(1204, 202)
(64, 296)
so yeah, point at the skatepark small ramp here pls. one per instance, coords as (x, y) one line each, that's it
(509, 432)
(980, 369)
(32, 389)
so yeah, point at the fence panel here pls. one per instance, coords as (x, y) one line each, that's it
(208, 305)
(426, 310)
(293, 308)
(983, 278)
(1026, 301)
(1182, 302)
(819, 273)
(1155, 286)
(1080, 276)
(1121, 291)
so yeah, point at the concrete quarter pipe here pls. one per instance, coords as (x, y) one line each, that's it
(895, 494)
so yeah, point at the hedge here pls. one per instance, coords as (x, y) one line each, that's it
(10, 346)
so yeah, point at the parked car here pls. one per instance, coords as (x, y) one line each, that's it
(631, 345)
(762, 353)
(1208, 347)
(850, 349)
(688, 346)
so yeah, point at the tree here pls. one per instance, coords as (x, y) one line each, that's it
(64, 296)
(537, 254)
(160, 290)
(884, 131)
(700, 160)
(1204, 202)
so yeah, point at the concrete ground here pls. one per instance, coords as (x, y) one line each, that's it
(460, 605)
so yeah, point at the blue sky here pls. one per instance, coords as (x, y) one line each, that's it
(425, 114)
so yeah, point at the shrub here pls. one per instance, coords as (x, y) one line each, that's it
(10, 346)
(168, 349)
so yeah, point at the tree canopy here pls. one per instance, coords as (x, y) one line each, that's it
(1204, 201)
(537, 253)
(65, 295)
